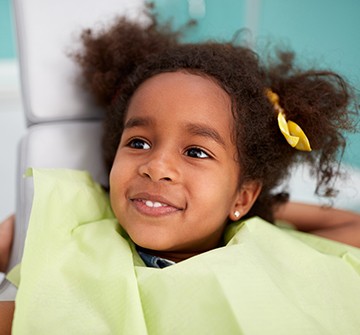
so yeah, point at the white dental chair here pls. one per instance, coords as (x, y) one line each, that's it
(64, 124)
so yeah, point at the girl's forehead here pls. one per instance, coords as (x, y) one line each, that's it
(178, 90)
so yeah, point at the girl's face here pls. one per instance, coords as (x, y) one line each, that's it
(174, 181)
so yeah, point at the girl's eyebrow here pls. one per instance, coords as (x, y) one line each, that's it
(138, 122)
(199, 129)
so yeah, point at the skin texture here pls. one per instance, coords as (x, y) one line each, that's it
(6, 237)
(335, 224)
(6, 307)
(176, 149)
(6, 316)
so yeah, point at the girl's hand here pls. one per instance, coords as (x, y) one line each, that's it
(6, 238)
(339, 225)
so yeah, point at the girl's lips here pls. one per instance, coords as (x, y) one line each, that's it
(153, 205)
(143, 207)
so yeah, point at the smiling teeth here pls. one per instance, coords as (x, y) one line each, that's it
(155, 204)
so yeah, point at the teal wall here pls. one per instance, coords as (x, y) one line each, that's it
(328, 30)
(7, 44)
(222, 17)
(324, 30)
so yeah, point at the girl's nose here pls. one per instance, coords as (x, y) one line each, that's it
(160, 167)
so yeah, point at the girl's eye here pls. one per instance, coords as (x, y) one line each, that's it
(196, 153)
(139, 144)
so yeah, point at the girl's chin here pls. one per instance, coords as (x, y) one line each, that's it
(156, 246)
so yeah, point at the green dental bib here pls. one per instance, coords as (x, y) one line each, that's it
(80, 274)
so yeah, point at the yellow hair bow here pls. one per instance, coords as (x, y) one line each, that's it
(292, 132)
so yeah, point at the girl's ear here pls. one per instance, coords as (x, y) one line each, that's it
(245, 199)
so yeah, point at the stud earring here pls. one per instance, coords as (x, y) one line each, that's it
(237, 214)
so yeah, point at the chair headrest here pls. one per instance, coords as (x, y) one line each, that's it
(47, 31)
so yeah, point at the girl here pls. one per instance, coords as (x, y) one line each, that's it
(196, 136)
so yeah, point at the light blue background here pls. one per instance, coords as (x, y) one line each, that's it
(7, 40)
(327, 31)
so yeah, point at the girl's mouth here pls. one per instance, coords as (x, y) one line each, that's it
(153, 208)
(153, 205)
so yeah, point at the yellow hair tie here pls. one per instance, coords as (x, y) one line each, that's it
(292, 132)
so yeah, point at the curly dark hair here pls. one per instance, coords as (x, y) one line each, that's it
(117, 60)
